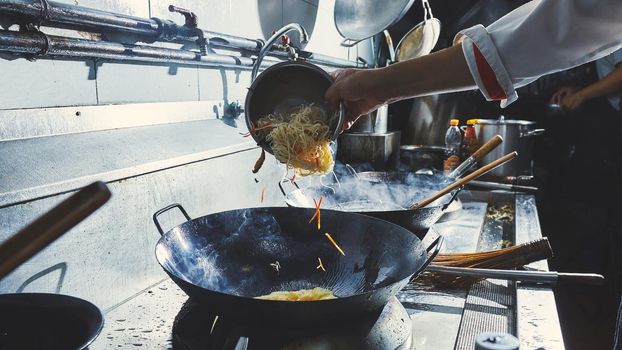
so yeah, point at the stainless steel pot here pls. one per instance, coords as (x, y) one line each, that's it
(517, 136)
(413, 157)
(376, 122)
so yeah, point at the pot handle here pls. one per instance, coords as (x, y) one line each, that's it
(165, 209)
(433, 249)
(532, 133)
(287, 180)
(349, 42)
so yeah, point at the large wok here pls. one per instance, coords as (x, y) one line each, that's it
(346, 197)
(226, 259)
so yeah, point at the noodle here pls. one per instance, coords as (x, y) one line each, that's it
(300, 295)
(301, 141)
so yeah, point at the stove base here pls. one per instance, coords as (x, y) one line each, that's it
(195, 328)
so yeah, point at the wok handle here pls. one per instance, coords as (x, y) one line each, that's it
(435, 248)
(283, 190)
(165, 209)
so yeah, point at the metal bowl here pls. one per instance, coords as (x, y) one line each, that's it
(283, 87)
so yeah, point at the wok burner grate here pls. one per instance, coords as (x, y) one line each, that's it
(196, 328)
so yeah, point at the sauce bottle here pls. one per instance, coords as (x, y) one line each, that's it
(453, 142)
(470, 143)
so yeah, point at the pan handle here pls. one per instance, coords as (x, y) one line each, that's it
(167, 208)
(433, 249)
(283, 190)
(453, 198)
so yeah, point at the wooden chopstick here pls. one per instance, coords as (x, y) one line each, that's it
(460, 182)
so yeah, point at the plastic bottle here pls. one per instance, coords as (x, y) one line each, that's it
(470, 143)
(453, 141)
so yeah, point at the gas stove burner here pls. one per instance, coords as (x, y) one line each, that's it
(195, 328)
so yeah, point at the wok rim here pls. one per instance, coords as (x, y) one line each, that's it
(410, 276)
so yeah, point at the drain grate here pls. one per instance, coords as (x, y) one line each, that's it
(489, 307)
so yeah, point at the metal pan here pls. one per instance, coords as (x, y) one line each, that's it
(226, 259)
(418, 221)
(49, 321)
(357, 20)
(421, 39)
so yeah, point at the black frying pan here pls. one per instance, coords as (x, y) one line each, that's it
(416, 220)
(224, 260)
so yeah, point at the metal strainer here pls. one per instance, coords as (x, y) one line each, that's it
(283, 87)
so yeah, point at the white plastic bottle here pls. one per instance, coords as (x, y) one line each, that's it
(453, 141)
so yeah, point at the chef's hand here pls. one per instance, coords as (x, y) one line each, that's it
(355, 87)
(572, 101)
(562, 93)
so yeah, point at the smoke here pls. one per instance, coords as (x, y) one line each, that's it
(349, 191)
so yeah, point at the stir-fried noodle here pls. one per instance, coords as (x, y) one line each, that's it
(301, 141)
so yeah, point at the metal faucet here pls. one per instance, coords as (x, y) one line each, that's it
(304, 38)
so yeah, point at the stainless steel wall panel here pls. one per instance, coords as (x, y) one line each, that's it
(110, 256)
(38, 122)
(126, 83)
(138, 8)
(25, 84)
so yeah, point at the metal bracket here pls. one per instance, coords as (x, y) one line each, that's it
(33, 28)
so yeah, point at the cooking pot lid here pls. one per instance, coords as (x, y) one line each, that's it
(362, 19)
(415, 148)
(504, 122)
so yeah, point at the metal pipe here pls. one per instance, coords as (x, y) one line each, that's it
(88, 18)
(56, 46)
(152, 29)
(304, 38)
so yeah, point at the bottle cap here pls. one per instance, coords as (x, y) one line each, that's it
(454, 122)
(471, 121)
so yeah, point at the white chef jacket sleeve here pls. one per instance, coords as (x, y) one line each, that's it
(539, 38)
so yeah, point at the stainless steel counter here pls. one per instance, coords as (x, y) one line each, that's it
(443, 318)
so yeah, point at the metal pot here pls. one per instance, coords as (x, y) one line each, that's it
(517, 136)
(287, 85)
(376, 122)
(413, 157)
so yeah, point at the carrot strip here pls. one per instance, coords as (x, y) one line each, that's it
(317, 211)
(254, 130)
(320, 266)
(314, 214)
(262, 194)
(334, 243)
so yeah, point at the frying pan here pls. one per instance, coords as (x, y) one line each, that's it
(418, 221)
(226, 259)
(49, 321)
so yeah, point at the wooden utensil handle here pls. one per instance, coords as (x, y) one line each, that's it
(51, 225)
(487, 147)
(460, 182)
